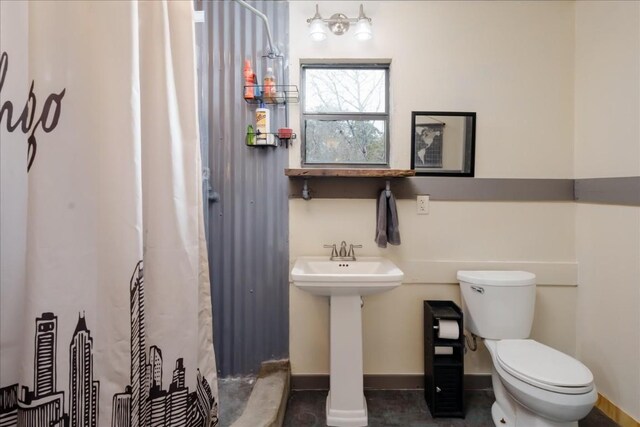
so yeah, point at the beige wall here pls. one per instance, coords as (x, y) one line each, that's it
(512, 63)
(455, 235)
(607, 144)
(556, 89)
(608, 304)
(393, 332)
(607, 89)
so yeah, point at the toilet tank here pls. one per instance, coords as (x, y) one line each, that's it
(498, 304)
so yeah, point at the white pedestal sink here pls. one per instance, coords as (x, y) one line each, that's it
(345, 282)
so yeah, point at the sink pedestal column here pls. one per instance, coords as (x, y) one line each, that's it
(346, 406)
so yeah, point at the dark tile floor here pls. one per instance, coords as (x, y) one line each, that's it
(387, 408)
(406, 408)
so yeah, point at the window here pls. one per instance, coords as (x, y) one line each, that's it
(345, 114)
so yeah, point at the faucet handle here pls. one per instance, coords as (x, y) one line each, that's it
(351, 253)
(334, 251)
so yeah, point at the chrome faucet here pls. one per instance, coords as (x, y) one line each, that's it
(342, 254)
(343, 250)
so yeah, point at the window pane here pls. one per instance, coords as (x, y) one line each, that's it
(345, 141)
(344, 90)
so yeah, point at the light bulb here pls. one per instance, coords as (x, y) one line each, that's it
(363, 29)
(317, 31)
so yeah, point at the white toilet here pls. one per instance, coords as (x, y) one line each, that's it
(534, 385)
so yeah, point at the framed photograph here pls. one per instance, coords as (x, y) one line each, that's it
(443, 143)
(428, 145)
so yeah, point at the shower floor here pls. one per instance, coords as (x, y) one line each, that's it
(387, 408)
(233, 394)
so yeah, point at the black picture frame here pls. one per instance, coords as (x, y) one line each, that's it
(437, 152)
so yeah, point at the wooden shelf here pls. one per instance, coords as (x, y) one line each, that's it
(361, 173)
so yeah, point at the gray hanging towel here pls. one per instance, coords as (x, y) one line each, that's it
(381, 221)
(393, 223)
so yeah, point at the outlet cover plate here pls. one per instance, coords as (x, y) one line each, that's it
(423, 205)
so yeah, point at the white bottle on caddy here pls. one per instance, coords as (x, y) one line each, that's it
(263, 126)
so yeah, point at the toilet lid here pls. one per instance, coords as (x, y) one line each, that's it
(543, 366)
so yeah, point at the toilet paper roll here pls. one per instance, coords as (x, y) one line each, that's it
(443, 350)
(448, 329)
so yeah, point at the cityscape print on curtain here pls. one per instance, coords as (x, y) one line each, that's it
(101, 174)
(142, 403)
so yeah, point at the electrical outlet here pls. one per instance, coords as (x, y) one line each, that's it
(423, 205)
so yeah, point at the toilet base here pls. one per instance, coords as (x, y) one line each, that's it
(498, 416)
(523, 418)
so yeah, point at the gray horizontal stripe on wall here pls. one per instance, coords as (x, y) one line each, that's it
(438, 188)
(612, 191)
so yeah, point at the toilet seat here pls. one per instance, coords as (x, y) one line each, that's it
(543, 367)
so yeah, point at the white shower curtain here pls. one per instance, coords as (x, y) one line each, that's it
(105, 304)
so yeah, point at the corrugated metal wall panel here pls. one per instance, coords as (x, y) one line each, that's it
(248, 226)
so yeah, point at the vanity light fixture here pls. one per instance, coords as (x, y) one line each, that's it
(339, 24)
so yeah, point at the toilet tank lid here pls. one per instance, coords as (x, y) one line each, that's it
(497, 278)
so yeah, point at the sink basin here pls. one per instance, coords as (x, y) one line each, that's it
(366, 276)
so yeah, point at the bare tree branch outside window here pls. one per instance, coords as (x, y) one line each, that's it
(345, 115)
